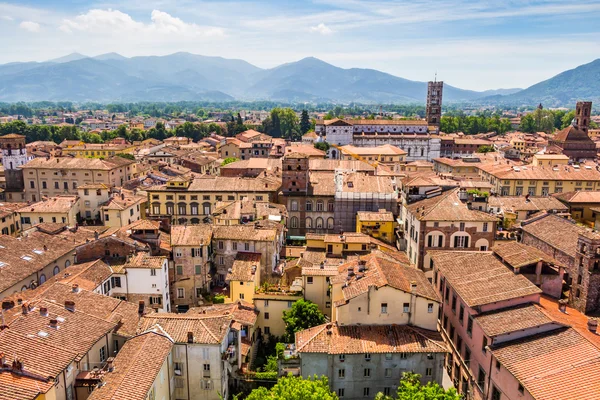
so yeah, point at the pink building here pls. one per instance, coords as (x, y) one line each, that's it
(491, 318)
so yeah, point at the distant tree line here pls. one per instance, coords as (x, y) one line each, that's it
(542, 120)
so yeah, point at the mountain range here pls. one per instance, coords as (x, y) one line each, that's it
(183, 76)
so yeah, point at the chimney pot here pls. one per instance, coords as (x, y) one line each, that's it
(592, 325)
(141, 307)
(43, 311)
(54, 323)
(70, 305)
(75, 288)
(25, 309)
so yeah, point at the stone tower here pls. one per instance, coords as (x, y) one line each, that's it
(295, 174)
(583, 111)
(434, 102)
(14, 154)
(585, 274)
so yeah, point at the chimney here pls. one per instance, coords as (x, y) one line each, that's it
(109, 364)
(25, 308)
(45, 248)
(43, 311)
(141, 307)
(96, 235)
(122, 196)
(413, 286)
(2, 360)
(190, 337)
(7, 304)
(562, 306)
(592, 325)
(54, 323)
(75, 288)
(70, 305)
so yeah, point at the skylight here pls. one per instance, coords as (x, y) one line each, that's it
(27, 258)
(38, 251)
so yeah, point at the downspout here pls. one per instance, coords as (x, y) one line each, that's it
(489, 379)
(187, 369)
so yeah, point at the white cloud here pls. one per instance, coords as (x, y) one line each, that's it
(6, 18)
(30, 26)
(321, 28)
(116, 21)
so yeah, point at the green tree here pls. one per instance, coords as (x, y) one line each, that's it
(304, 122)
(126, 156)
(527, 124)
(410, 388)
(304, 314)
(486, 149)
(568, 119)
(323, 146)
(229, 160)
(295, 388)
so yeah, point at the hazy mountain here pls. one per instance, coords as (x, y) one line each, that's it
(311, 79)
(184, 76)
(564, 89)
(68, 58)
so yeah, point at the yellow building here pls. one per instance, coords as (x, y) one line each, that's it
(549, 160)
(185, 200)
(379, 225)
(518, 143)
(99, 150)
(123, 209)
(271, 306)
(539, 181)
(10, 221)
(59, 209)
(418, 166)
(63, 175)
(337, 245)
(244, 277)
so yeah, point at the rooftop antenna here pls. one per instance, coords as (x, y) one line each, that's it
(435, 78)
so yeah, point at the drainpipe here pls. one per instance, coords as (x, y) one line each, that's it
(489, 379)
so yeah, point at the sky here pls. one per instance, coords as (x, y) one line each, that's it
(470, 44)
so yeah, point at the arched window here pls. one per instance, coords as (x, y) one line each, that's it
(42, 278)
(319, 223)
(409, 152)
(5, 231)
(56, 270)
(194, 208)
(308, 205)
(181, 208)
(206, 208)
(330, 223)
(319, 205)
(422, 152)
(294, 222)
(24, 288)
(195, 221)
(294, 205)
(67, 263)
(170, 208)
(156, 208)
(330, 206)
(308, 223)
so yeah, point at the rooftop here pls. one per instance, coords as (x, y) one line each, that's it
(480, 278)
(522, 203)
(380, 216)
(58, 205)
(513, 319)
(78, 163)
(375, 339)
(556, 365)
(558, 232)
(446, 207)
(191, 235)
(244, 232)
(519, 255)
(244, 267)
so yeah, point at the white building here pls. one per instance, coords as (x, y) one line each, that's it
(416, 137)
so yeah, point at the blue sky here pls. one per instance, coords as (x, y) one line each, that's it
(471, 44)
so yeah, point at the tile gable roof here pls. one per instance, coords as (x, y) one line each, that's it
(135, 367)
(446, 207)
(480, 278)
(558, 232)
(519, 255)
(356, 339)
(513, 319)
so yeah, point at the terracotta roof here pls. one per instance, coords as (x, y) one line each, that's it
(306, 149)
(322, 183)
(205, 329)
(513, 319)
(384, 150)
(140, 260)
(244, 232)
(570, 133)
(519, 255)
(78, 163)
(359, 339)
(123, 201)
(380, 216)
(38, 356)
(226, 184)
(191, 235)
(380, 271)
(19, 387)
(579, 196)
(558, 232)
(556, 365)
(240, 311)
(244, 267)
(22, 257)
(315, 164)
(136, 367)
(525, 173)
(480, 278)
(359, 182)
(58, 204)
(520, 203)
(446, 207)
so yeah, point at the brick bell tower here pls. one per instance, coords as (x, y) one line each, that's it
(14, 154)
(583, 112)
(434, 102)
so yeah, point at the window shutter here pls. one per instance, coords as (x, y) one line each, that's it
(466, 241)
(455, 241)
(440, 240)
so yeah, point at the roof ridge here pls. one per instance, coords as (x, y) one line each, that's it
(416, 331)
(318, 331)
